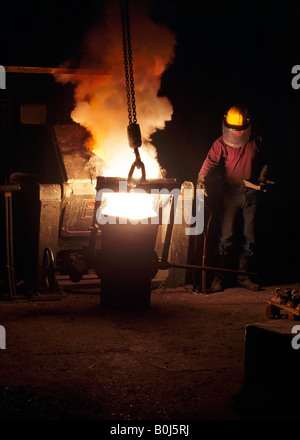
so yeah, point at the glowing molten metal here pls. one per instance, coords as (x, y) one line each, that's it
(134, 206)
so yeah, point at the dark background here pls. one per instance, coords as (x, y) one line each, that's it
(226, 52)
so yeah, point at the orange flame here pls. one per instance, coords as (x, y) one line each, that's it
(101, 102)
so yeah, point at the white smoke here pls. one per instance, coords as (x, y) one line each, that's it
(101, 101)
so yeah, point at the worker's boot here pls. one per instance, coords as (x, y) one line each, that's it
(217, 284)
(244, 280)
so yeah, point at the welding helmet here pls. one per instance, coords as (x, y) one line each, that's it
(236, 126)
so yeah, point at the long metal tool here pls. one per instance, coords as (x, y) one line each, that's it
(205, 234)
(166, 265)
(55, 70)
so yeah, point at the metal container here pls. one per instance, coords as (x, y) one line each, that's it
(126, 265)
(128, 261)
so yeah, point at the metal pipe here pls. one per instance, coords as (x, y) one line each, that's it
(166, 265)
(9, 236)
(55, 70)
(169, 230)
(205, 233)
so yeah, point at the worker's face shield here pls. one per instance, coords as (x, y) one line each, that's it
(235, 137)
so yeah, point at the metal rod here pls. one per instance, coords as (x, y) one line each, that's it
(7, 190)
(55, 70)
(204, 252)
(9, 244)
(169, 230)
(166, 265)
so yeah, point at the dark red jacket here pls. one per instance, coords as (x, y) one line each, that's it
(235, 164)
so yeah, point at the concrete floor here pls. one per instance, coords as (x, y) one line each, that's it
(182, 359)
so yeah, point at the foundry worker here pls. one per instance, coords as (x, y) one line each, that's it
(235, 156)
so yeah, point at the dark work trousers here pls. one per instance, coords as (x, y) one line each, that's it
(240, 205)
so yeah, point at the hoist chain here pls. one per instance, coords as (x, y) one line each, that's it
(128, 62)
(133, 129)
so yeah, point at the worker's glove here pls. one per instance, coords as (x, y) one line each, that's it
(201, 183)
(263, 186)
(262, 179)
(263, 175)
(266, 185)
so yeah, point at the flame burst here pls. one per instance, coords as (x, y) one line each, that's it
(101, 102)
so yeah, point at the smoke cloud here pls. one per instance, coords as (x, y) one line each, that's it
(101, 101)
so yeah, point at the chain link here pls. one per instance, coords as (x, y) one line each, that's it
(133, 130)
(128, 65)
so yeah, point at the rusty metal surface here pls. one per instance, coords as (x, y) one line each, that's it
(76, 161)
(147, 185)
(78, 216)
